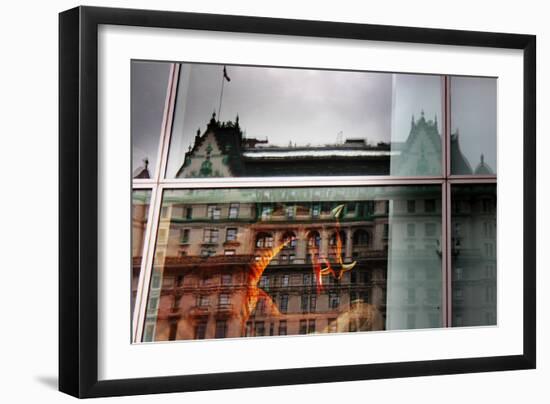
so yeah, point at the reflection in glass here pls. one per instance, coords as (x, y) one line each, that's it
(416, 130)
(474, 249)
(295, 261)
(140, 213)
(473, 126)
(149, 81)
(237, 121)
(414, 259)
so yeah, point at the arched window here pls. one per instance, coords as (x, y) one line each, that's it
(333, 238)
(314, 239)
(290, 238)
(361, 237)
(264, 240)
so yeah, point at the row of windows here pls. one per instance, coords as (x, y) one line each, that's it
(489, 272)
(490, 293)
(333, 302)
(265, 240)
(257, 328)
(224, 299)
(488, 205)
(179, 280)
(265, 281)
(488, 227)
(306, 326)
(357, 209)
(308, 302)
(430, 229)
(213, 212)
(309, 279)
(360, 237)
(364, 209)
(291, 258)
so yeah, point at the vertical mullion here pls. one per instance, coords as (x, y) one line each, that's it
(447, 245)
(443, 247)
(448, 256)
(146, 271)
(447, 128)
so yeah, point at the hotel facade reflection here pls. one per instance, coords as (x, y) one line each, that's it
(281, 262)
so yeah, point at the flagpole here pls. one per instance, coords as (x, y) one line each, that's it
(221, 96)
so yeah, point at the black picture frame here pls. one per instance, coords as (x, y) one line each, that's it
(78, 196)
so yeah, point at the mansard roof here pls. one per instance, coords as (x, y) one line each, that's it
(459, 162)
(229, 138)
(424, 127)
(257, 158)
(253, 157)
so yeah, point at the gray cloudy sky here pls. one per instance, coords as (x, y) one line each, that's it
(305, 106)
(148, 93)
(474, 114)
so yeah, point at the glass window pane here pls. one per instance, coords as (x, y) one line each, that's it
(414, 259)
(350, 266)
(473, 126)
(140, 214)
(474, 249)
(416, 125)
(244, 121)
(149, 85)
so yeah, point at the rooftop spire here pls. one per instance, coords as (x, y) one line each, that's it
(213, 123)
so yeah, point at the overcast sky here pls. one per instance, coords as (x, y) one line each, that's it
(474, 114)
(305, 107)
(148, 93)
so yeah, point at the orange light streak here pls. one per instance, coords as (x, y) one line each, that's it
(254, 293)
(336, 212)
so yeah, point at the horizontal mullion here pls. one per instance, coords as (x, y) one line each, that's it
(296, 182)
(144, 185)
(189, 183)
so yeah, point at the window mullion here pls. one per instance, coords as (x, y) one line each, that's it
(146, 271)
(446, 295)
(446, 255)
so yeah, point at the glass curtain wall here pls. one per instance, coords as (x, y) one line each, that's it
(238, 247)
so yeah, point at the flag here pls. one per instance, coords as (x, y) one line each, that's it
(225, 76)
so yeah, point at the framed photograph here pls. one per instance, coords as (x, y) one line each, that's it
(251, 201)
